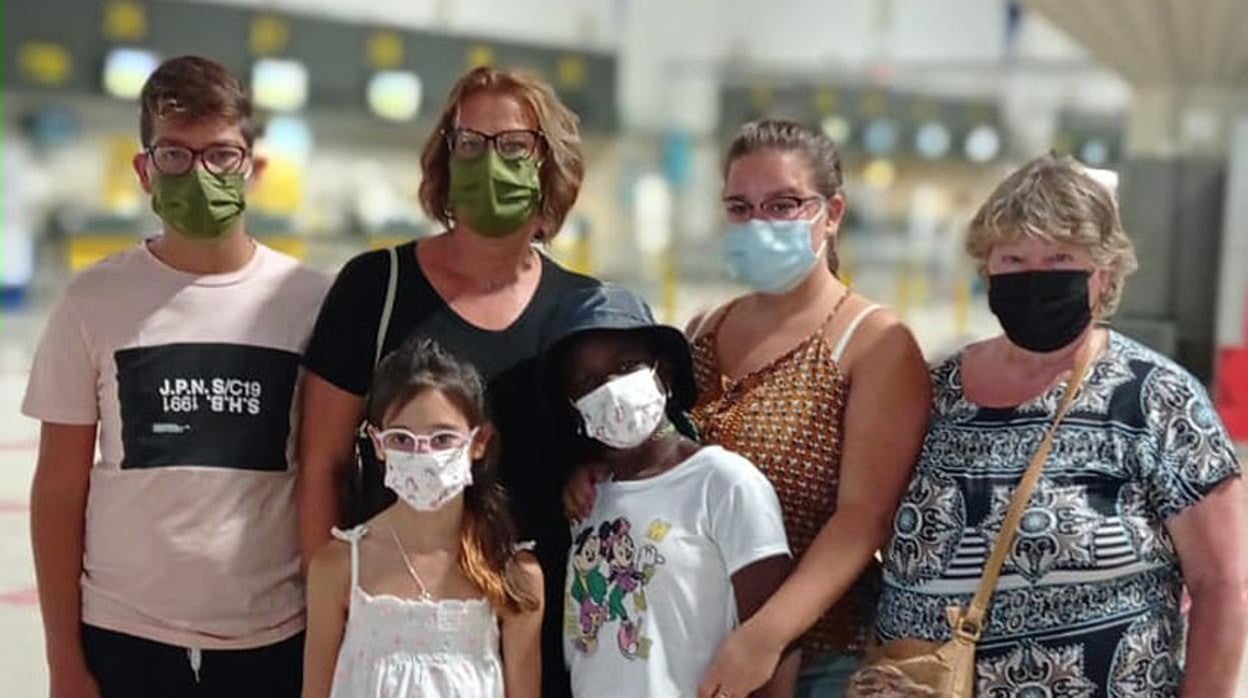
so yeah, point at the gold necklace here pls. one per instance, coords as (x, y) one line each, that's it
(424, 590)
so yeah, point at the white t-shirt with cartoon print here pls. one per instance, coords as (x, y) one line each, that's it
(649, 594)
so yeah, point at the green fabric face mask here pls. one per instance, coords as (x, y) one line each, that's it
(199, 204)
(495, 196)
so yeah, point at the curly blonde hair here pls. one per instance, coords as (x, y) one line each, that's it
(563, 161)
(1054, 198)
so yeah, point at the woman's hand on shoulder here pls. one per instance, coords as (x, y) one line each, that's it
(579, 494)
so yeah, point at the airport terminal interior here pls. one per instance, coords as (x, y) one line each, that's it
(931, 103)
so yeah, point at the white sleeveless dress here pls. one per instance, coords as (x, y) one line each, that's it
(410, 648)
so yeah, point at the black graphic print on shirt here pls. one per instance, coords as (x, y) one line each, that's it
(213, 405)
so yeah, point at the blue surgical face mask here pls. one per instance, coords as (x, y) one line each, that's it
(772, 256)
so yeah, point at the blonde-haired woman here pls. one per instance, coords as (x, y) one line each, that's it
(501, 171)
(1140, 497)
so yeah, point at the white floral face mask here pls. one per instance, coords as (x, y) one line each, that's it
(623, 412)
(427, 480)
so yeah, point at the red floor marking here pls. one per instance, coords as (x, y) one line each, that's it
(28, 445)
(13, 506)
(20, 597)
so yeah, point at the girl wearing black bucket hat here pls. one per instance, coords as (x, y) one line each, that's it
(683, 541)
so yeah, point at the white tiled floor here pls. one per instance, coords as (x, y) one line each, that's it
(22, 670)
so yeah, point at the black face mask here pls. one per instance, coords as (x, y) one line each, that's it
(1041, 311)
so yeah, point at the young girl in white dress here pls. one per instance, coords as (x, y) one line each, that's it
(431, 597)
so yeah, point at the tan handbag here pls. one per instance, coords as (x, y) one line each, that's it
(920, 668)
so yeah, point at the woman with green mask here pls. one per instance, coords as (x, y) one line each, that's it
(501, 171)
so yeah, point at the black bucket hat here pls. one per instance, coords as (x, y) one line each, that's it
(615, 308)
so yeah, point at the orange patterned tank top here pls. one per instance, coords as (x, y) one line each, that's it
(787, 419)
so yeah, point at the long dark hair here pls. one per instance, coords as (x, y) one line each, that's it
(488, 536)
(814, 146)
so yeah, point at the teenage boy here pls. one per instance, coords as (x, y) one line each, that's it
(169, 564)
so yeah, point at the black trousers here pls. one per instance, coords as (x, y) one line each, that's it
(132, 667)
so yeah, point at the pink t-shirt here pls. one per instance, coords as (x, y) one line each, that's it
(191, 535)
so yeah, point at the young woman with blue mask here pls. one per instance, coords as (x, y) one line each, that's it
(823, 390)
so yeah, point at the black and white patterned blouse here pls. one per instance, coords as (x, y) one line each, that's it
(1088, 601)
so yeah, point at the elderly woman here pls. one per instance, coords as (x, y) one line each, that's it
(1140, 497)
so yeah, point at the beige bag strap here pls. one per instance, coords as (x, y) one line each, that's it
(387, 307)
(971, 623)
(383, 327)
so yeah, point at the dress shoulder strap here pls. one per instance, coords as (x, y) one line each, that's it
(353, 537)
(708, 323)
(843, 343)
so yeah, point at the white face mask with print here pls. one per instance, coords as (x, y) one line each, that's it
(427, 481)
(623, 412)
